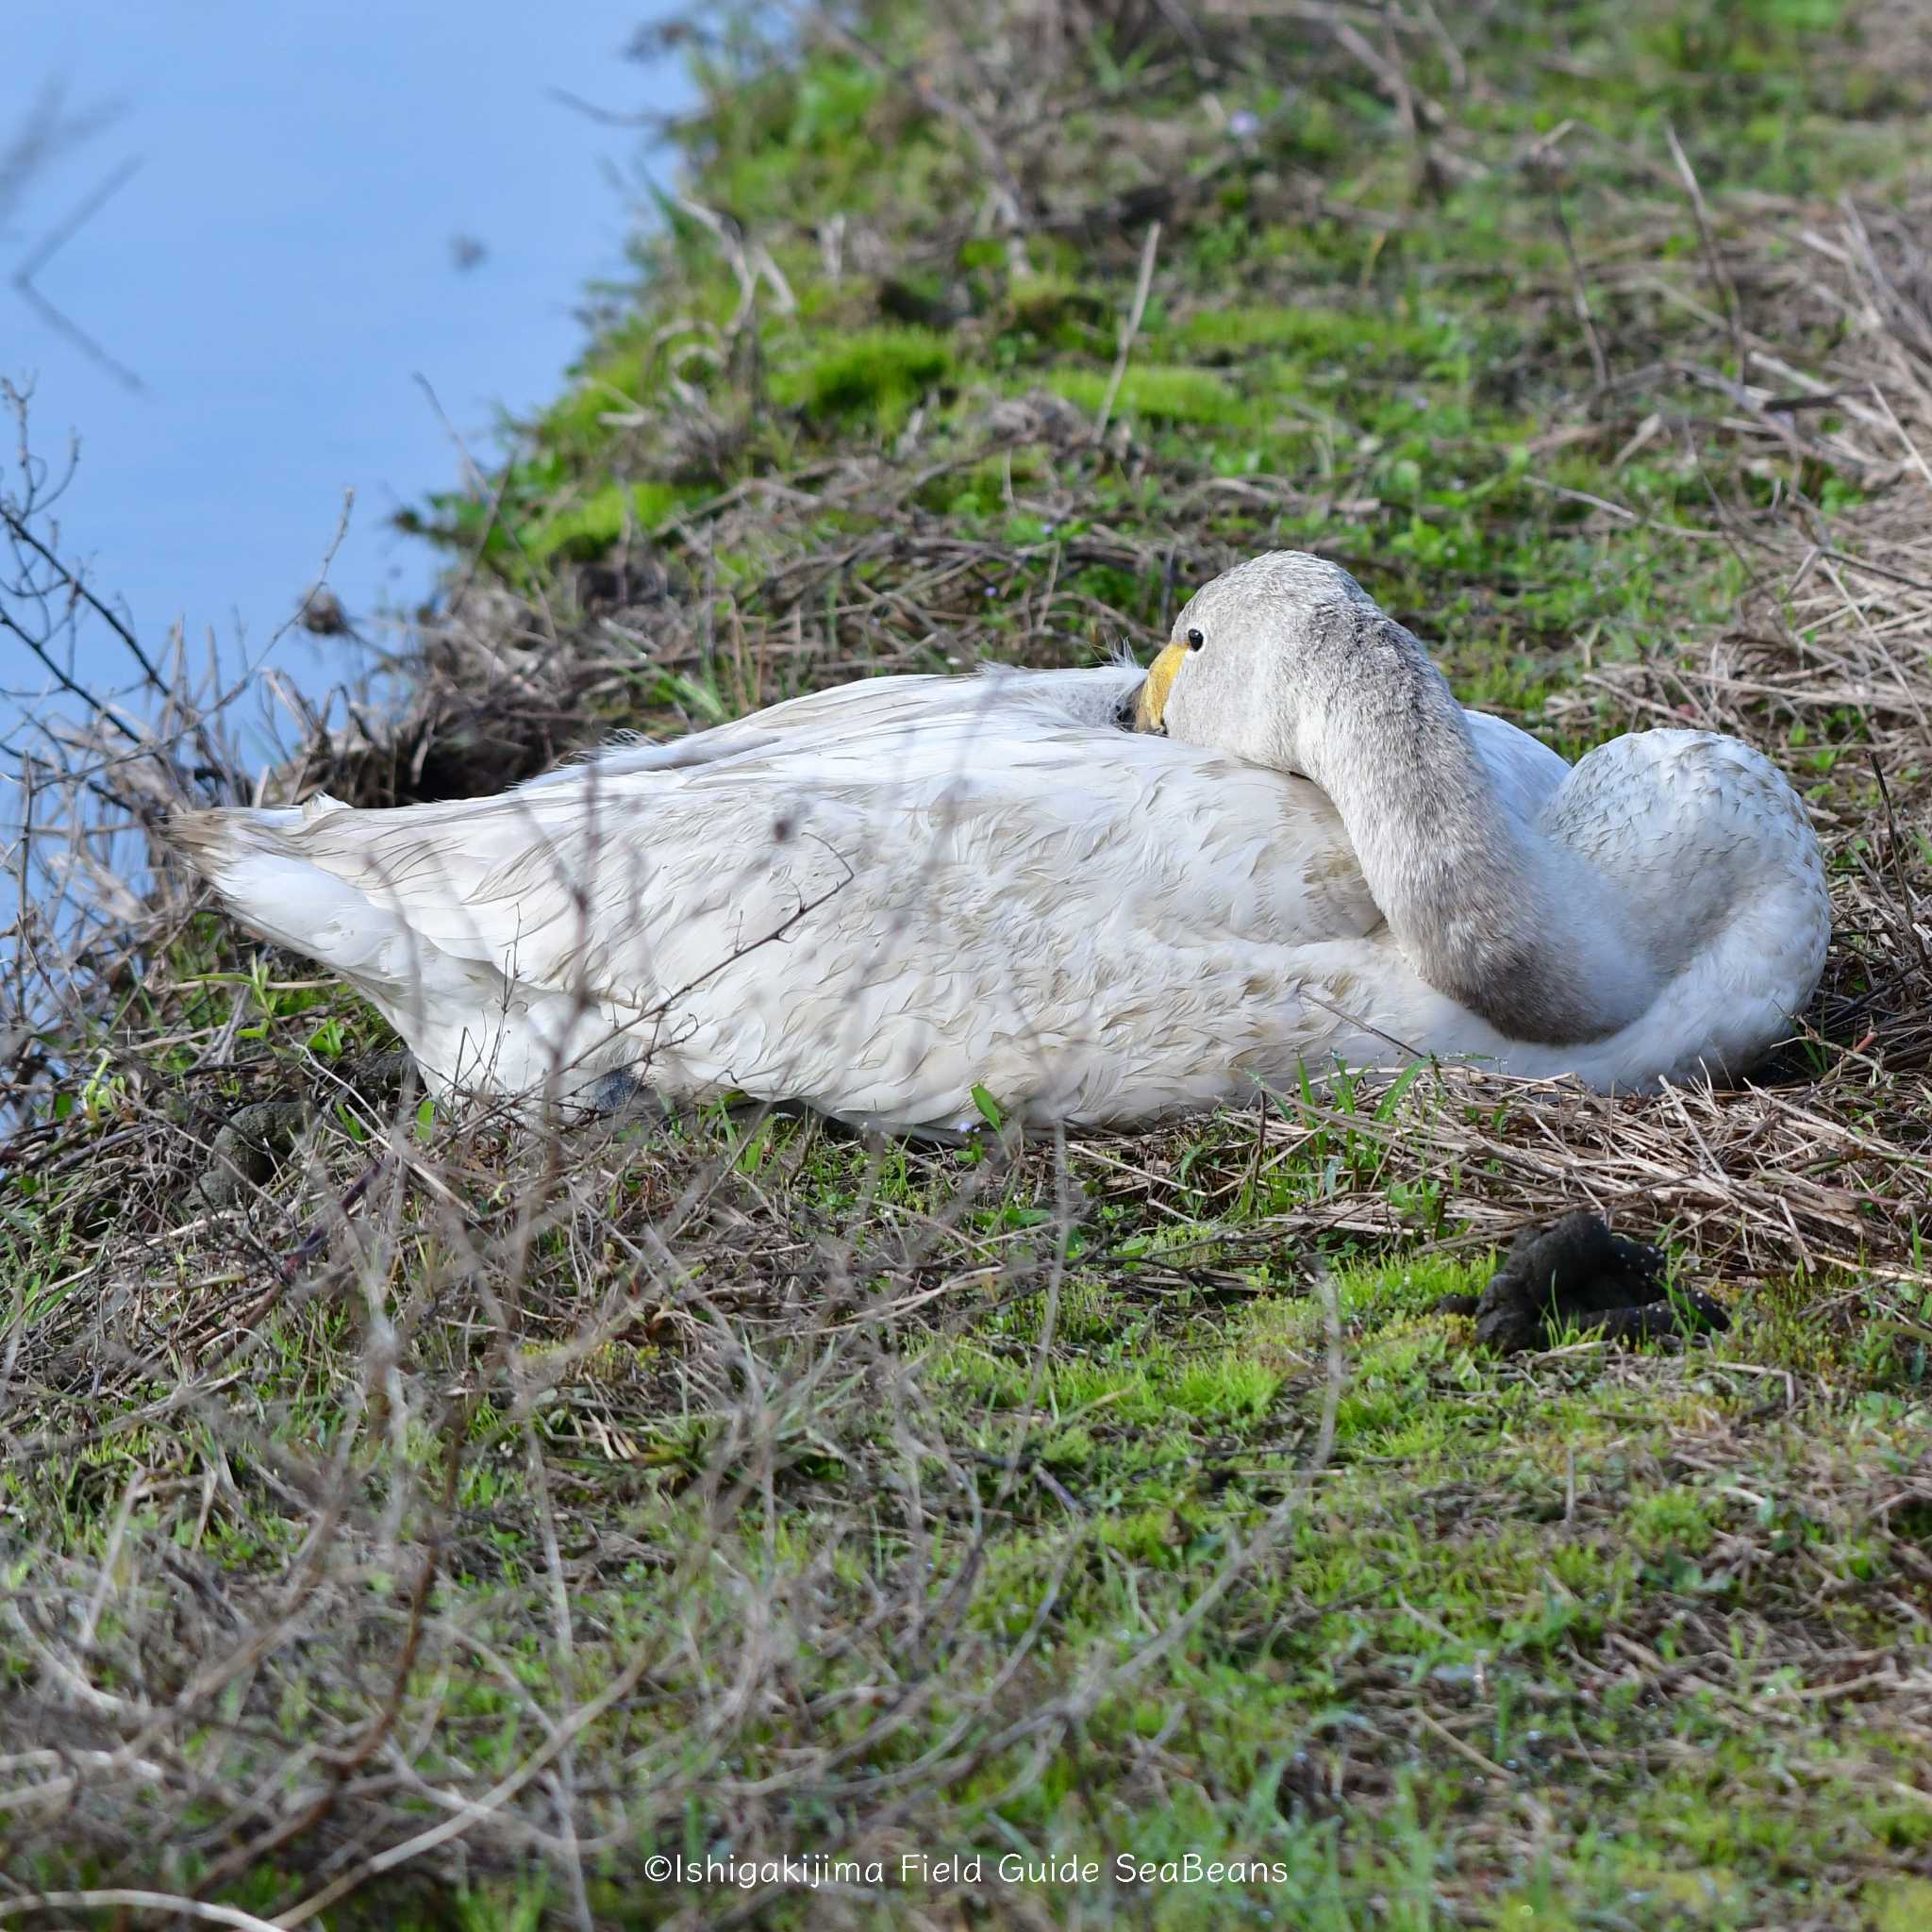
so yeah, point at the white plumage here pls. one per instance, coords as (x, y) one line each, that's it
(877, 898)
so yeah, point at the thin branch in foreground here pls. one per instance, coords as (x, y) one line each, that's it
(1130, 328)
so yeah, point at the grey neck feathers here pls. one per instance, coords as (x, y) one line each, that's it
(1487, 910)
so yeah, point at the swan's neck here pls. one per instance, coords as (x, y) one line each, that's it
(1488, 911)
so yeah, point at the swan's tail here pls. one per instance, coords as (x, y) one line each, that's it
(210, 841)
(255, 861)
(422, 912)
(270, 877)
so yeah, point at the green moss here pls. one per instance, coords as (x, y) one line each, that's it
(874, 376)
(1305, 332)
(1672, 1519)
(592, 527)
(1160, 393)
(614, 382)
(1062, 311)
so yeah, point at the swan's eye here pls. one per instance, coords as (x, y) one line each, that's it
(1195, 641)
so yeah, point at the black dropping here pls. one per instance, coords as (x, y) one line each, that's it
(1575, 1274)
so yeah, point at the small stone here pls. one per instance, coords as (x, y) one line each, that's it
(248, 1150)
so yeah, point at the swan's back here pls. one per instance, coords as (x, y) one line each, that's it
(1717, 866)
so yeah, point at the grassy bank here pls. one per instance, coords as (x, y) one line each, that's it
(452, 1522)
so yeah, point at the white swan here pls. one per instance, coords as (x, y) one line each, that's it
(877, 898)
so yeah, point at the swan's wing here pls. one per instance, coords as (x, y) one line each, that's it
(928, 796)
(1718, 876)
(898, 703)
(880, 896)
(1524, 770)
(795, 720)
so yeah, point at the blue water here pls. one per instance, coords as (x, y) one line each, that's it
(328, 199)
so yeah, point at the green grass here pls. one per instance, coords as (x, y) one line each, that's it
(875, 376)
(1400, 373)
(1453, 1625)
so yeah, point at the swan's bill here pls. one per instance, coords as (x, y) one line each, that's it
(1161, 677)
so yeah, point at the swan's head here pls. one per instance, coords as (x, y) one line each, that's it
(1256, 659)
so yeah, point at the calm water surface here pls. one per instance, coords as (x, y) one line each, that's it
(309, 205)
